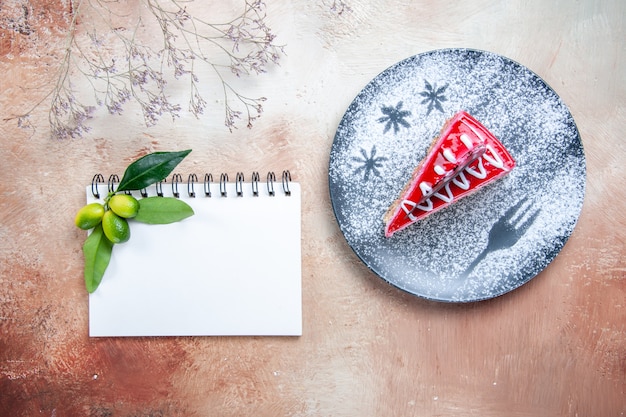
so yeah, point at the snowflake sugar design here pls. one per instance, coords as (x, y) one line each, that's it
(369, 164)
(433, 96)
(394, 116)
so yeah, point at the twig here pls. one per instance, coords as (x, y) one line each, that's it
(246, 42)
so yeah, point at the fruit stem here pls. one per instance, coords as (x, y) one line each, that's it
(106, 200)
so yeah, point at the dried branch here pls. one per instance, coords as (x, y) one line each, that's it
(244, 46)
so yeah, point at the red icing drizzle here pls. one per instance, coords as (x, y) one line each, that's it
(465, 157)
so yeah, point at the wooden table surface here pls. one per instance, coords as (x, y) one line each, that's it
(554, 347)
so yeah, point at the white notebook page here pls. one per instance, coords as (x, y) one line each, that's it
(233, 268)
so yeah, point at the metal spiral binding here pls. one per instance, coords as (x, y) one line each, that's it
(113, 179)
(208, 179)
(286, 181)
(192, 179)
(239, 184)
(176, 178)
(271, 177)
(190, 182)
(223, 181)
(97, 179)
(255, 184)
(159, 188)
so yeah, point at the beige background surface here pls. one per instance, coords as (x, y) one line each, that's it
(554, 347)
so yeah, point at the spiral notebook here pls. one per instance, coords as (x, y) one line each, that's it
(233, 268)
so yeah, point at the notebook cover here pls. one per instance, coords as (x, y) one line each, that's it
(233, 268)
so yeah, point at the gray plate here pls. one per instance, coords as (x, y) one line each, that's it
(486, 244)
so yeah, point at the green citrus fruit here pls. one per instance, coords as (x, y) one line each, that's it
(124, 205)
(115, 228)
(89, 216)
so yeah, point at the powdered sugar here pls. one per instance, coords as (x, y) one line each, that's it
(376, 150)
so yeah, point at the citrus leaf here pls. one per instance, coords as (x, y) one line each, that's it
(150, 169)
(162, 210)
(97, 251)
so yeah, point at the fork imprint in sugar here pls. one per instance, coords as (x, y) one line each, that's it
(465, 158)
(508, 230)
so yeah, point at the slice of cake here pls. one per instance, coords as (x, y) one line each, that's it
(465, 157)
